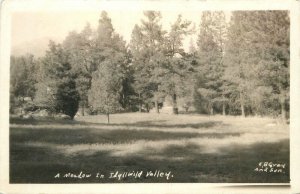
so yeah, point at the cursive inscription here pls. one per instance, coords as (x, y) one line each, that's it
(117, 175)
(270, 167)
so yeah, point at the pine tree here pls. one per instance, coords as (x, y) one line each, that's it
(238, 71)
(106, 41)
(56, 87)
(257, 60)
(78, 46)
(110, 87)
(147, 47)
(136, 46)
(210, 58)
(174, 69)
(23, 71)
(105, 91)
(271, 45)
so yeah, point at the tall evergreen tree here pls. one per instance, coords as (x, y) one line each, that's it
(78, 46)
(107, 93)
(56, 87)
(147, 56)
(140, 81)
(210, 58)
(22, 81)
(272, 67)
(257, 58)
(238, 49)
(23, 71)
(106, 86)
(174, 71)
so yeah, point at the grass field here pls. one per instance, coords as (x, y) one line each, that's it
(195, 148)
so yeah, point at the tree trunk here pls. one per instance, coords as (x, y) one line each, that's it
(186, 109)
(282, 104)
(175, 109)
(107, 114)
(140, 103)
(211, 110)
(223, 108)
(82, 109)
(243, 109)
(242, 105)
(156, 106)
(123, 100)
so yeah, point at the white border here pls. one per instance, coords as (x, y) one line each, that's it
(9, 6)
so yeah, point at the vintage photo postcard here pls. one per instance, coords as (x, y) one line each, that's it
(134, 96)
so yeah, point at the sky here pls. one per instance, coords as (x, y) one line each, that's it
(31, 31)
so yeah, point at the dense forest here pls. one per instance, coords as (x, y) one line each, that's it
(240, 67)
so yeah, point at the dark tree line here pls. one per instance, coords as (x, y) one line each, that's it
(236, 68)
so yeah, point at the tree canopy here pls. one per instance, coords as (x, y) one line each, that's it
(240, 67)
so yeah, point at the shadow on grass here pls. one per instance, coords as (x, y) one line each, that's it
(236, 164)
(84, 133)
(156, 123)
(41, 121)
(101, 136)
(35, 165)
(164, 125)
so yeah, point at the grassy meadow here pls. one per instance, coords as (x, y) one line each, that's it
(195, 148)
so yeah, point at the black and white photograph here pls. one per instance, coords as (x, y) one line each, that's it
(149, 96)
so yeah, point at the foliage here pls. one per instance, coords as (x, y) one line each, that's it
(240, 68)
(147, 46)
(105, 90)
(210, 58)
(56, 88)
(257, 60)
(110, 87)
(160, 71)
(78, 48)
(22, 80)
